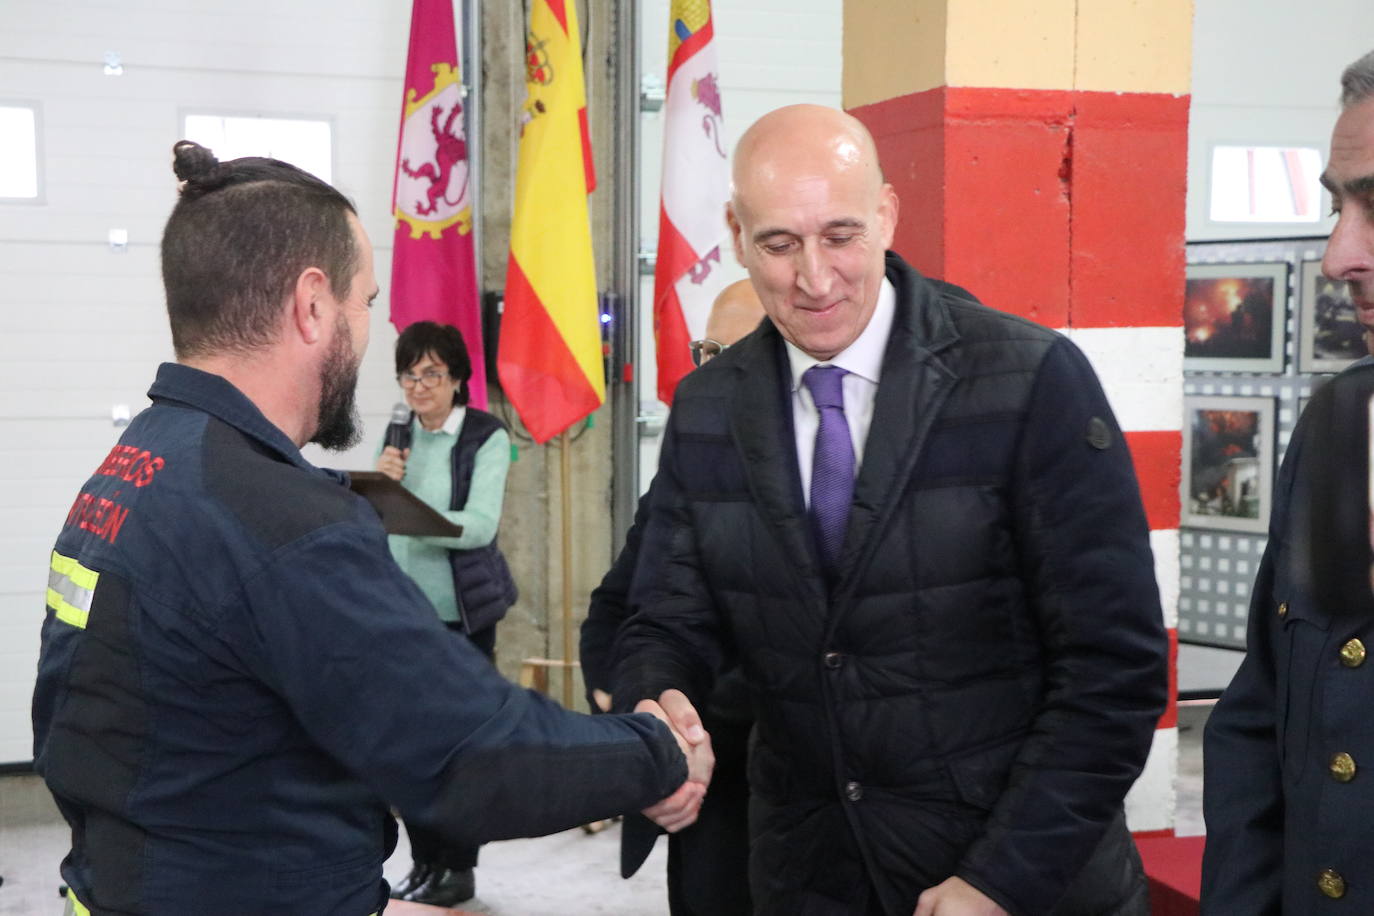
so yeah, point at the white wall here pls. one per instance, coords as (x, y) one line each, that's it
(1266, 73)
(85, 328)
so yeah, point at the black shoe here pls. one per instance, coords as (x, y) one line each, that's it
(412, 882)
(446, 887)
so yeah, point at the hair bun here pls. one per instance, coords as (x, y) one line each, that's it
(192, 161)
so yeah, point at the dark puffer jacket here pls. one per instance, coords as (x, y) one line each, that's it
(978, 688)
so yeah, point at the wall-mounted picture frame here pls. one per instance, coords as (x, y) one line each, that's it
(1228, 463)
(1235, 317)
(1329, 333)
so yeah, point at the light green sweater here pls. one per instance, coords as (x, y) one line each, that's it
(429, 475)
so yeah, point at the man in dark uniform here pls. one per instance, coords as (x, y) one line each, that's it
(1290, 818)
(913, 523)
(236, 681)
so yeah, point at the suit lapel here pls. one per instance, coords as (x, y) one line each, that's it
(913, 387)
(761, 422)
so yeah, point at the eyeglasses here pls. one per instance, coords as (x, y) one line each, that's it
(705, 349)
(430, 379)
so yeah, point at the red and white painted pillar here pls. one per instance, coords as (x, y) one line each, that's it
(1039, 150)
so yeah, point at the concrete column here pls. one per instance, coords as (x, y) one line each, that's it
(531, 526)
(1039, 150)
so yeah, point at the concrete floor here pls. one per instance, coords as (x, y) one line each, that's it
(571, 872)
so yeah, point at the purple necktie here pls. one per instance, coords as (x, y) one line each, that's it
(832, 469)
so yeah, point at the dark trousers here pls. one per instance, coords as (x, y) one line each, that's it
(708, 863)
(428, 847)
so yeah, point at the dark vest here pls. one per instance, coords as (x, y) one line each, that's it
(482, 581)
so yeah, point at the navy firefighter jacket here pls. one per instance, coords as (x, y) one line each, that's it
(236, 682)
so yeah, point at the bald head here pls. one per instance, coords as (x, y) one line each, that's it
(811, 219)
(803, 137)
(736, 312)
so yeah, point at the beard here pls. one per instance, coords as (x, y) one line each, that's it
(338, 426)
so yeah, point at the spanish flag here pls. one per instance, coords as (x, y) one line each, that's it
(549, 360)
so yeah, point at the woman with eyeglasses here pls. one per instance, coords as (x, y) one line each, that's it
(457, 463)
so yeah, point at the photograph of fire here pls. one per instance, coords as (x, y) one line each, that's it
(1234, 315)
(1228, 462)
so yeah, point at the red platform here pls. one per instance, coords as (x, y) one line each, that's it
(1174, 866)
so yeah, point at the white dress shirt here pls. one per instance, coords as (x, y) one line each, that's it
(863, 359)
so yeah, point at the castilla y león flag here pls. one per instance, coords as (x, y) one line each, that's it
(434, 268)
(692, 234)
(550, 359)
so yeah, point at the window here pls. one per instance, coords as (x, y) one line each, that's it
(18, 152)
(304, 143)
(1266, 184)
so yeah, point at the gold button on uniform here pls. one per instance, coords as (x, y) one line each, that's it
(1283, 609)
(1342, 767)
(1352, 654)
(1330, 883)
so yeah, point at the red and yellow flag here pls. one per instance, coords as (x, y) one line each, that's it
(692, 234)
(549, 359)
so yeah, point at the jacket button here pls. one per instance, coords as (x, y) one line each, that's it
(1330, 883)
(1283, 609)
(833, 660)
(853, 791)
(1342, 767)
(1352, 654)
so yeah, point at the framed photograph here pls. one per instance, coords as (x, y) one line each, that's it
(1329, 333)
(1235, 317)
(1228, 463)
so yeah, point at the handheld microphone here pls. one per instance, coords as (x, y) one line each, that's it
(398, 432)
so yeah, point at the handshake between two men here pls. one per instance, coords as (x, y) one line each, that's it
(680, 809)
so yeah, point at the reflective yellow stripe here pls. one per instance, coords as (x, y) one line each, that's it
(86, 578)
(71, 587)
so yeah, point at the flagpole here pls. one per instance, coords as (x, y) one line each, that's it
(470, 39)
(565, 471)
